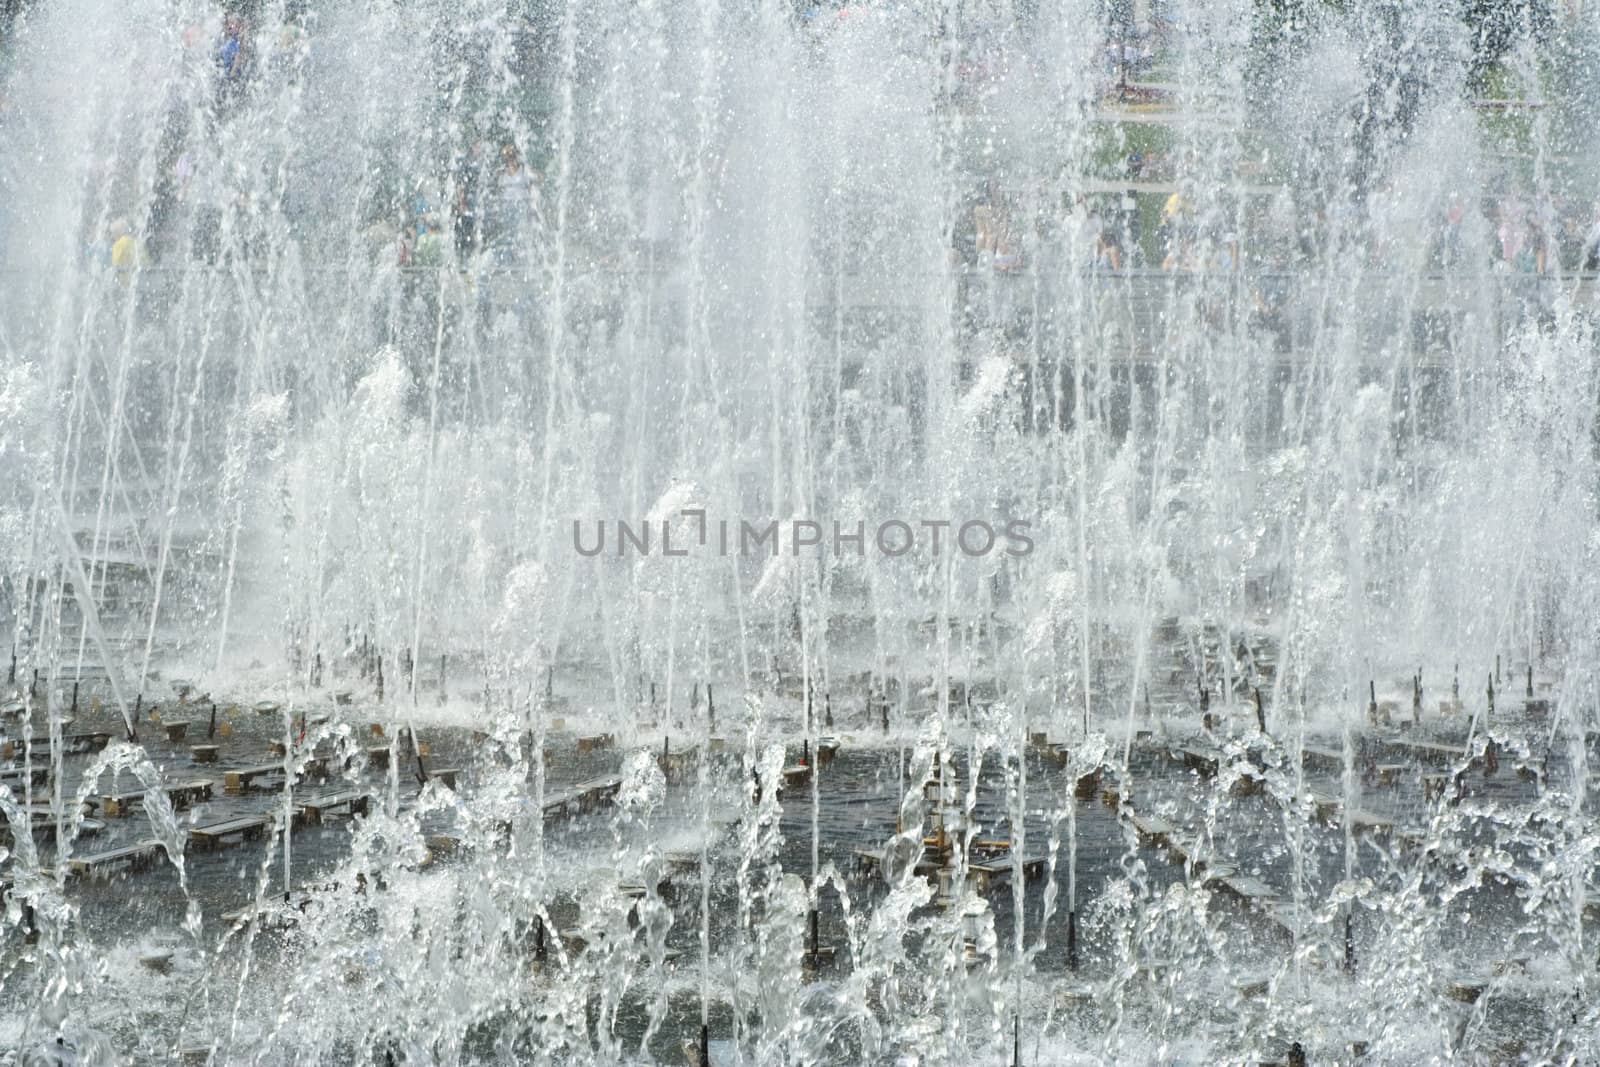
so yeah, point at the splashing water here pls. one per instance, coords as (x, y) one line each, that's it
(1039, 532)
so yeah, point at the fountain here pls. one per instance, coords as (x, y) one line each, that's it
(798, 533)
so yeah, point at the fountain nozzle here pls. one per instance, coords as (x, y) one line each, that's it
(1349, 944)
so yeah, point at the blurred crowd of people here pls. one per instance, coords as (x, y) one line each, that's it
(490, 204)
(1110, 231)
(1251, 251)
(485, 205)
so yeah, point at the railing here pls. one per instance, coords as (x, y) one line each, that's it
(1136, 311)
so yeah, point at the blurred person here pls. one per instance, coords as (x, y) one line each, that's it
(1008, 238)
(126, 254)
(1227, 256)
(428, 250)
(473, 214)
(206, 234)
(122, 243)
(1447, 251)
(250, 231)
(1269, 293)
(515, 204)
(232, 58)
(984, 228)
(1177, 228)
(1125, 232)
(231, 54)
(1008, 250)
(1516, 240)
(1543, 230)
(1589, 255)
(294, 46)
(1180, 253)
(464, 223)
(1385, 216)
(183, 173)
(1104, 250)
(1311, 237)
(381, 239)
(419, 205)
